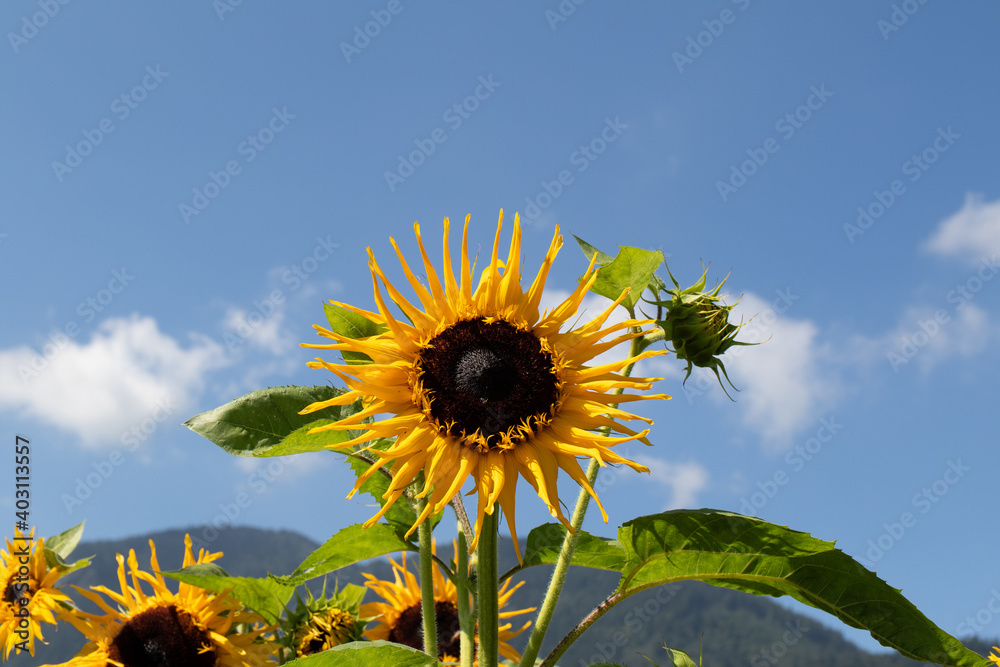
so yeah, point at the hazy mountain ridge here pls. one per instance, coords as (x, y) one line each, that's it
(737, 628)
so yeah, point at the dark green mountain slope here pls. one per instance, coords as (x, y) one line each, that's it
(737, 629)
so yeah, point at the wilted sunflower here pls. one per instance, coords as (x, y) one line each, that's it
(479, 384)
(400, 617)
(191, 627)
(26, 576)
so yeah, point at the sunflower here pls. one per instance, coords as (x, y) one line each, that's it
(479, 384)
(400, 618)
(995, 658)
(191, 627)
(28, 583)
(326, 629)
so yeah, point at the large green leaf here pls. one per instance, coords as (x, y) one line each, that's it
(59, 547)
(367, 654)
(758, 557)
(267, 422)
(348, 546)
(545, 542)
(349, 324)
(632, 267)
(267, 596)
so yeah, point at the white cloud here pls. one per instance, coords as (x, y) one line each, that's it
(682, 480)
(930, 337)
(260, 328)
(787, 380)
(129, 375)
(970, 233)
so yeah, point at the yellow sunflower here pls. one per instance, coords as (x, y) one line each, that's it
(29, 593)
(324, 630)
(191, 627)
(995, 658)
(479, 384)
(400, 618)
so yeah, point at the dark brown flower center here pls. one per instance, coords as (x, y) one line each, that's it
(490, 377)
(11, 594)
(408, 629)
(162, 637)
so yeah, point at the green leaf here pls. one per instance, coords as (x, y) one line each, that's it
(747, 554)
(633, 268)
(267, 596)
(348, 546)
(267, 422)
(603, 259)
(367, 654)
(349, 324)
(545, 542)
(59, 547)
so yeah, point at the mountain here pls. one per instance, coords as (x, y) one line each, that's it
(733, 628)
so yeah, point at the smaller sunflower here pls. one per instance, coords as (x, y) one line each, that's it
(192, 627)
(400, 618)
(28, 583)
(319, 624)
(995, 658)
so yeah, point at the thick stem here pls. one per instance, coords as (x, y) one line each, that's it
(489, 620)
(568, 547)
(427, 583)
(466, 620)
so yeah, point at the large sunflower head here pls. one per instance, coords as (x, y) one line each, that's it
(399, 617)
(190, 628)
(29, 593)
(476, 382)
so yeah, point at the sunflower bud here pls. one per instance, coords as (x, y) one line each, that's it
(697, 324)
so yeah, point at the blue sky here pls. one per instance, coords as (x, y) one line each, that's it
(182, 188)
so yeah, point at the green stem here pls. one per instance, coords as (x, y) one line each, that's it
(466, 621)
(427, 583)
(568, 547)
(489, 620)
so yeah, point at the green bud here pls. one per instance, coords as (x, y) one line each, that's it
(697, 324)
